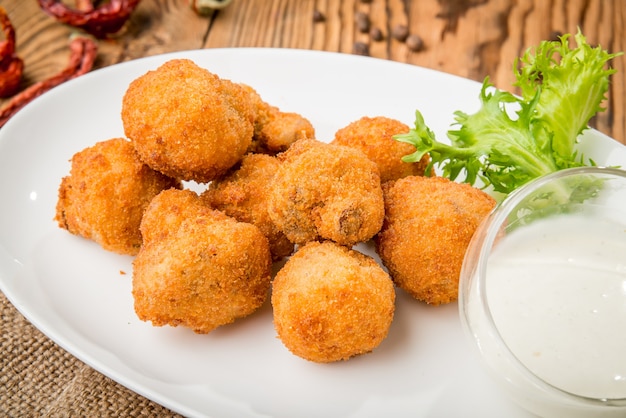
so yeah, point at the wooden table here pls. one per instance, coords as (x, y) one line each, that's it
(472, 38)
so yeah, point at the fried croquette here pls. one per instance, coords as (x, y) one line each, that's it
(326, 192)
(429, 222)
(243, 194)
(106, 193)
(374, 136)
(187, 122)
(275, 130)
(331, 303)
(282, 129)
(198, 267)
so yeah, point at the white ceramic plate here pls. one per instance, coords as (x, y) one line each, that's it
(80, 295)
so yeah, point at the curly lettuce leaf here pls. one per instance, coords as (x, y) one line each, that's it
(572, 89)
(511, 140)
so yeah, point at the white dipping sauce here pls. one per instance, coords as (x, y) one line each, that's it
(557, 294)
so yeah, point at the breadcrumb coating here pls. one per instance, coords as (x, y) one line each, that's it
(205, 260)
(326, 192)
(198, 267)
(429, 222)
(374, 136)
(331, 303)
(243, 194)
(274, 130)
(187, 122)
(106, 193)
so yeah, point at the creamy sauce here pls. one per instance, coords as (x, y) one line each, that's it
(559, 302)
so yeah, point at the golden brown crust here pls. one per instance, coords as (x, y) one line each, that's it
(325, 191)
(205, 261)
(374, 136)
(198, 268)
(187, 122)
(106, 193)
(274, 130)
(429, 222)
(331, 303)
(244, 193)
(282, 129)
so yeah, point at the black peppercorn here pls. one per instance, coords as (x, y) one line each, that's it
(360, 48)
(400, 32)
(376, 34)
(415, 43)
(318, 16)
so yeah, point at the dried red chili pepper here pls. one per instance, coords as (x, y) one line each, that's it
(98, 21)
(83, 51)
(84, 5)
(11, 66)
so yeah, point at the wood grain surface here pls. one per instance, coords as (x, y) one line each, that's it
(471, 38)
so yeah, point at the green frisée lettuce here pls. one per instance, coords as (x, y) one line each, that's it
(513, 139)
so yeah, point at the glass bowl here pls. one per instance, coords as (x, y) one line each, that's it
(542, 294)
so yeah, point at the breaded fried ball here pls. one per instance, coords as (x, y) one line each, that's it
(331, 303)
(106, 194)
(429, 222)
(282, 129)
(326, 192)
(275, 130)
(198, 267)
(187, 122)
(244, 193)
(374, 136)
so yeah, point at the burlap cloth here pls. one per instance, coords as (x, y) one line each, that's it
(40, 379)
